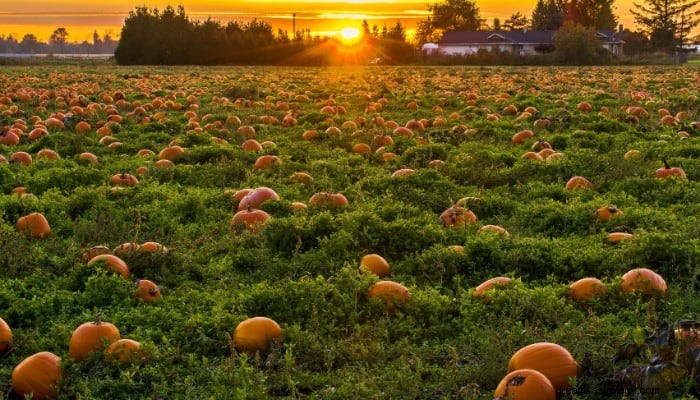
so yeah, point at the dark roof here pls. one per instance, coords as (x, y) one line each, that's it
(539, 37)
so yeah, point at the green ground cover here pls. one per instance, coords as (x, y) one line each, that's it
(301, 267)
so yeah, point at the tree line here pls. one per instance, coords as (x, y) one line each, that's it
(57, 44)
(152, 36)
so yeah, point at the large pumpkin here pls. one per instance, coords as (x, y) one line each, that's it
(643, 280)
(5, 337)
(255, 334)
(586, 289)
(250, 220)
(35, 224)
(457, 216)
(256, 197)
(376, 264)
(112, 263)
(125, 351)
(551, 359)
(91, 336)
(525, 384)
(37, 376)
(392, 294)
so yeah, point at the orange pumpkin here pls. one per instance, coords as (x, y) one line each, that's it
(604, 214)
(153, 247)
(171, 153)
(302, 177)
(21, 157)
(147, 290)
(112, 263)
(643, 280)
(375, 264)
(255, 334)
(489, 284)
(47, 154)
(494, 229)
(251, 145)
(256, 197)
(392, 294)
(403, 172)
(35, 224)
(457, 216)
(617, 237)
(93, 252)
(586, 289)
(248, 219)
(521, 136)
(89, 157)
(124, 179)
(578, 182)
(323, 199)
(126, 249)
(5, 337)
(551, 359)
(125, 351)
(91, 336)
(37, 376)
(670, 172)
(525, 384)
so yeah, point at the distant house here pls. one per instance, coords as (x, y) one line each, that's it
(521, 42)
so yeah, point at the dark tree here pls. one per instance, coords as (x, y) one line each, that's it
(549, 14)
(516, 22)
(58, 39)
(592, 13)
(667, 23)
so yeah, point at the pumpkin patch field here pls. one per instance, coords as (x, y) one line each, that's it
(349, 233)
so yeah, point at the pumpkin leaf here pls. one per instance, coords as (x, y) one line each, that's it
(639, 336)
(628, 352)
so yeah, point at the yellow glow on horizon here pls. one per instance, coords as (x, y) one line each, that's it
(350, 35)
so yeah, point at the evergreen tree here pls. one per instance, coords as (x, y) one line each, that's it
(548, 14)
(516, 22)
(667, 23)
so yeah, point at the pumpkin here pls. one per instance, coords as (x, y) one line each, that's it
(171, 153)
(375, 264)
(256, 197)
(91, 336)
(457, 216)
(584, 106)
(124, 179)
(551, 359)
(402, 172)
(21, 157)
(89, 157)
(604, 214)
(489, 284)
(494, 229)
(153, 247)
(586, 289)
(248, 219)
(670, 172)
(5, 337)
(147, 290)
(255, 334)
(124, 351)
(251, 145)
(521, 136)
(643, 280)
(632, 154)
(37, 376)
(392, 294)
(525, 384)
(47, 154)
(92, 252)
(361, 148)
(112, 263)
(531, 155)
(617, 237)
(578, 182)
(34, 224)
(126, 249)
(302, 177)
(331, 200)
(266, 161)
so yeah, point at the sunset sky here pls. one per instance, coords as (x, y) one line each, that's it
(324, 17)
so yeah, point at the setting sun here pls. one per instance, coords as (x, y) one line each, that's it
(350, 35)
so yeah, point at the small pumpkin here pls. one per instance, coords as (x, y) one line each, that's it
(670, 172)
(331, 200)
(457, 216)
(552, 360)
(392, 294)
(125, 351)
(643, 280)
(578, 182)
(617, 237)
(37, 376)
(124, 179)
(147, 290)
(256, 197)
(93, 252)
(171, 153)
(586, 289)
(604, 214)
(266, 161)
(489, 284)
(375, 264)
(248, 219)
(5, 337)
(35, 224)
(91, 336)
(525, 384)
(255, 334)
(497, 229)
(153, 247)
(112, 263)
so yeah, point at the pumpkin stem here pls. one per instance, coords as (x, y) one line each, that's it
(98, 317)
(666, 166)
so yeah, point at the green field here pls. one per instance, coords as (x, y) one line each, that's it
(301, 267)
